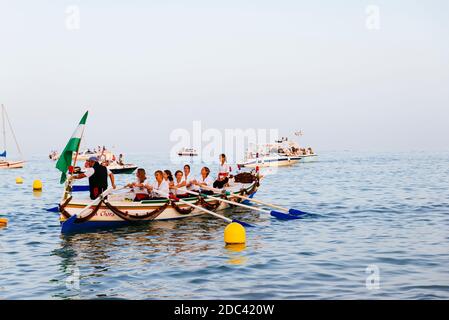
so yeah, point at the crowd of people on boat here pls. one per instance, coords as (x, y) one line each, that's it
(165, 184)
(302, 151)
(104, 156)
(180, 185)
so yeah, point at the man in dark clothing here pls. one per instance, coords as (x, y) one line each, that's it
(98, 177)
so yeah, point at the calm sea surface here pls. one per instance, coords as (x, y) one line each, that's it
(388, 212)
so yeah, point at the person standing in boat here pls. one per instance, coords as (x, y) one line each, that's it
(139, 189)
(224, 173)
(160, 185)
(98, 177)
(121, 160)
(203, 182)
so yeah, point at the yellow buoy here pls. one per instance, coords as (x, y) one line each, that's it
(235, 234)
(37, 185)
(19, 180)
(3, 222)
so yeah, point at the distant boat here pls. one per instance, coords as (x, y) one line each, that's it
(4, 163)
(187, 152)
(85, 155)
(116, 168)
(269, 160)
(282, 153)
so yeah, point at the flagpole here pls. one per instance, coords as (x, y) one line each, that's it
(12, 132)
(78, 149)
(68, 181)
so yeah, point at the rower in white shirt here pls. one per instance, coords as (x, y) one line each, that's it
(203, 182)
(187, 178)
(179, 187)
(160, 185)
(224, 172)
(138, 188)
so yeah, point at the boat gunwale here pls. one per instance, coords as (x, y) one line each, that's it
(146, 204)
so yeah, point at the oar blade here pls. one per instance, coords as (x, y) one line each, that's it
(55, 209)
(80, 188)
(283, 216)
(296, 212)
(245, 224)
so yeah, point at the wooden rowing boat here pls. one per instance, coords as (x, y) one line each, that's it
(118, 210)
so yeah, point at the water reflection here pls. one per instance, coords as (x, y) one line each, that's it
(187, 259)
(235, 254)
(37, 194)
(139, 247)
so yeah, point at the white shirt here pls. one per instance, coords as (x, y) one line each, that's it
(208, 181)
(164, 188)
(89, 172)
(139, 190)
(224, 170)
(187, 181)
(179, 191)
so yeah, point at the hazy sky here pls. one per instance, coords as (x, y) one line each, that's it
(144, 68)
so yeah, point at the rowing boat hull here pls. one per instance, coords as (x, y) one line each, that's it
(105, 217)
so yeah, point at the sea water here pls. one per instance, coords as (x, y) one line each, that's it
(378, 228)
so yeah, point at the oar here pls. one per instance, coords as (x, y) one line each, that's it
(67, 224)
(294, 212)
(205, 210)
(74, 189)
(80, 188)
(93, 203)
(275, 214)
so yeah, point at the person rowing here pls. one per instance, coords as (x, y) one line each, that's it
(179, 185)
(224, 173)
(98, 177)
(204, 181)
(187, 177)
(168, 176)
(139, 189)
(160, 186)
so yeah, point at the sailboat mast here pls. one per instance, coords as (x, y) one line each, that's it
(3, 128)
(12, 132)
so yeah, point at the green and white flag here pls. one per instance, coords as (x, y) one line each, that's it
(65, 160)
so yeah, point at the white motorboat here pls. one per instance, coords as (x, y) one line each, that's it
(282, 153)
(269, 160)
(86, 154)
